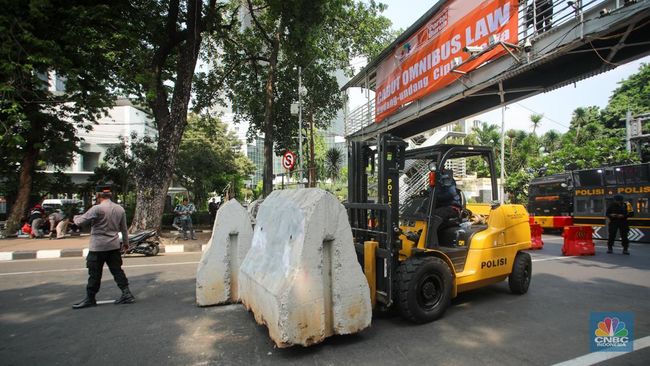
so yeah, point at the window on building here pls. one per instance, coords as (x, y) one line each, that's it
(90, 161)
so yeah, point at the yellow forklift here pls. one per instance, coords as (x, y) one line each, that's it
(391, 198)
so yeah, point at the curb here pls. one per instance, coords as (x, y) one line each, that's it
(72, 253)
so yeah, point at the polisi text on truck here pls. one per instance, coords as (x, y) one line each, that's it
(494, 262)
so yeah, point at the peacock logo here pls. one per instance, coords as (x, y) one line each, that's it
(611, 327)
(612, 332)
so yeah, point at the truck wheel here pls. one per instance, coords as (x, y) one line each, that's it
(522, 270)
(424, 288)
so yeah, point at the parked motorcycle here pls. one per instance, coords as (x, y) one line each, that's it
(143, 243)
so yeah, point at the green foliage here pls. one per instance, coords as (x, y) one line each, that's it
(536, 119)
(209, 159)
(71, 39)
(260, 63)
(633, 94)
(333, 161)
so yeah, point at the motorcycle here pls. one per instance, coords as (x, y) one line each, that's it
(143, 243)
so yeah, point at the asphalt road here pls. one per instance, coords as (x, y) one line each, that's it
(487, 326)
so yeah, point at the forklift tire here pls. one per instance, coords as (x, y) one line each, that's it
(424, 288)
(522, 270)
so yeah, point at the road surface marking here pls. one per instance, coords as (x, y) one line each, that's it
(83, 269)
(551, 259)
(52, 253)
(596, 357)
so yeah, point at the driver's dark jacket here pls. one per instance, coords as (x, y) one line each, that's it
(446, 192)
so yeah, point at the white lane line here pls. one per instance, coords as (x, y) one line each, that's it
(49, 253)
(596, 357)
(552, 259)
(83, 269)
(61, 259)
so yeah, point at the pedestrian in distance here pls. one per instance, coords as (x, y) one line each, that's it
(212, 209)
(58, 224)
(36, 220)
(184, 212)
(107, 219)
(617, 214)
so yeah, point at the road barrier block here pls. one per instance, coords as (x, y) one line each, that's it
(301, 277)
(218, 272)
(536, 232)
(578, 241)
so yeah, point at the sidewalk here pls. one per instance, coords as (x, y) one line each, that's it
(77, 246)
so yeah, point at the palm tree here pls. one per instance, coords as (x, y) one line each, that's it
(487, 134)
(536, 119)
(579, 117)
(333, 161)
(551, 140)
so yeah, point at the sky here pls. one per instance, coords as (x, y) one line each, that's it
(556, 106)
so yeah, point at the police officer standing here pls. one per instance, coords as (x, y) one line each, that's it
(107, 219)
(617, 214)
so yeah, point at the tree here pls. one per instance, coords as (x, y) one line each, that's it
(260, 64)
(583, 117)
(551, 140)
(69, 40)
(633, 94)
(209, 158)
(122, 162)
(333, 161)
(161, 44)
(536, 119)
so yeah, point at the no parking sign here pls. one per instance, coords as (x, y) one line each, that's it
(288, 160)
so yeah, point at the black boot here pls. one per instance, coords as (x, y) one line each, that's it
(609, 250)
(625, 251)
(126, 298)
(85, 303)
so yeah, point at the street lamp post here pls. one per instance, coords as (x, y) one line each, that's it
(300, 122)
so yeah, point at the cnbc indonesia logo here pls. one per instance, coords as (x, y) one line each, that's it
(612, 332)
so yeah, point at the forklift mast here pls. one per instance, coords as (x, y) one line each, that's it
(377, 221)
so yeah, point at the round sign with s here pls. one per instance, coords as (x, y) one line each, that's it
(288, 160)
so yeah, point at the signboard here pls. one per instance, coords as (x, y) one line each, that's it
(288, 160)
(424, 63)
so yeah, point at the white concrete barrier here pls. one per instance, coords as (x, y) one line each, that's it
(301, 277)
(218, 271)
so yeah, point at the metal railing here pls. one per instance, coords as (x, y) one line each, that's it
(535, 18)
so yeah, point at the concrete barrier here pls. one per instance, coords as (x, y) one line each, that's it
(218, 271)
(301, 277)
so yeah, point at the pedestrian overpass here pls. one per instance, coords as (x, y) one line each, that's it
(581, 39)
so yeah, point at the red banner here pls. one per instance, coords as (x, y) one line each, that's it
(424, 63)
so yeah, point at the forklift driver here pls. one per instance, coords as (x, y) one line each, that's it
(448, 202)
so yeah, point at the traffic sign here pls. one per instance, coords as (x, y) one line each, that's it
(289, 160)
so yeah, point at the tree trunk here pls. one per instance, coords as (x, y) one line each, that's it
(24, 190)
(153, 182)
(267, 179)
(312, 163)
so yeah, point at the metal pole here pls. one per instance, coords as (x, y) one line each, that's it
(503, 154)
(628, 128)
(300, 124)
